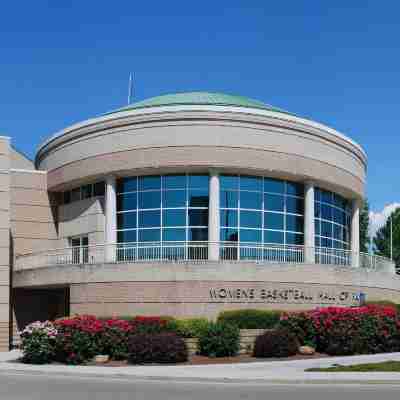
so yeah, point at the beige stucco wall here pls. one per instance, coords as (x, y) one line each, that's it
(33, 214)
(20, 161)
(85, 217)
(232, 139)
(4, 242)
(185, 289)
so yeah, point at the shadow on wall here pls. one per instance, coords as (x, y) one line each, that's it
(72, 211)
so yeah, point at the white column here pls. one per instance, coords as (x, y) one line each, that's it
(355, 233)
(110, 231)
(213, 217)
(309, 224)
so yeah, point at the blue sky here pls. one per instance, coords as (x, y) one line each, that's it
(339, 64)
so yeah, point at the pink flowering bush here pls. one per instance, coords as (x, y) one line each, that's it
(83, 336)
(344, 331)
(38, 341)
(78, 339)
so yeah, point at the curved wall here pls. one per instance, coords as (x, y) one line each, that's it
(186, 289)
(199, 137)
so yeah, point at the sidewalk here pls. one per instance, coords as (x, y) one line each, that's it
(274, 372)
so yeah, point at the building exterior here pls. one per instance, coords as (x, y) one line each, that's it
(185, 205)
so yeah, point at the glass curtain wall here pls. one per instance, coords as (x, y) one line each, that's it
(162, 214)
(260, 211)
(332, 226)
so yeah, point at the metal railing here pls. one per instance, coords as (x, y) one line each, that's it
(199, 252)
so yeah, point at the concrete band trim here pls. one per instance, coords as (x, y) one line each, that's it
(157, 113)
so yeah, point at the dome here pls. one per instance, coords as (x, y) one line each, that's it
(199, 98)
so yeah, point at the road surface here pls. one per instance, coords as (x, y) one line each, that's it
(30, 386)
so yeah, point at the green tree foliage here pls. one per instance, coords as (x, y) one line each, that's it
(382, 238)
(364, 227)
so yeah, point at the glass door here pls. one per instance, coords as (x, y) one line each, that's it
(80, 249)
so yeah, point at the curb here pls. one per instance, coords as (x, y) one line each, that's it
(333, 380)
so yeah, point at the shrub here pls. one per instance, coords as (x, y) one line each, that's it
(276, 343)
(385, 303)
(347, 330)
(359, 330)
(301, 325)
(219, 339)
(78, 339)
(114, 338)
(251, 319)
(153, 325)
(191, 327)
(156, 348)
(38, 341)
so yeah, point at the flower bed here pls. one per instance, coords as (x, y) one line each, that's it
(344, 331)
(332, 330)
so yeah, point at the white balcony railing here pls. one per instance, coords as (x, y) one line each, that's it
(198, 252)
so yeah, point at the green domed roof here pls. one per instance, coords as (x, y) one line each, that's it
(199, 98)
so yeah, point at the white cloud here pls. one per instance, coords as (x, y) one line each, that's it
(378, 219)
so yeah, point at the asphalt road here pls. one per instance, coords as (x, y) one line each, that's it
(34, 387)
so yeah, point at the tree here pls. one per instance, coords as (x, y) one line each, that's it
(364, 227)
(382, 238)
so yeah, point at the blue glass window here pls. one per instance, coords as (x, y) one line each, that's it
(250, 236)
(273, 202)
(150, 199)
(149, 219)
(149, 182)
(127, 201)
(294, 205)
(274, 186)
(294, 238)
(174, 235)
(174, 217)
(228, 182)
(127, 185)
(126, 236)
(294, 189)
(294, 223)
(229, 199)
(126, 220)
(335, 209)
(251, 183)
(198, 217)
(274, 237)
(198, 181)
(197, 234)
(229, 218)
(174, 198)
(250, 219)
(229, 235)
(198, 198)
(174, 182)
(149, 235)
(274, 221)
(251, 200)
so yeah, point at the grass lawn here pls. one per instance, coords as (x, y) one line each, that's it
(387, 366)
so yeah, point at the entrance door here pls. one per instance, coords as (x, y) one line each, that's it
(80, 249)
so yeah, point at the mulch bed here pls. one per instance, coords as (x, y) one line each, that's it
(202, 360)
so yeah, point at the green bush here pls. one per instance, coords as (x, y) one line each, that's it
(38, 342)
(276, 343)
(191, 327)
(219, 339)
(157, 348)
(251, 319)
(300, 324)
